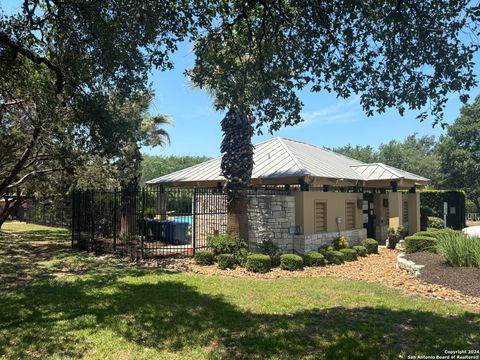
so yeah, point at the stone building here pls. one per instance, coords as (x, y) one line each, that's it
(303, 196)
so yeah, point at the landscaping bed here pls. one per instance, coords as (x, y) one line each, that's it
(376, 268)
(437, 271)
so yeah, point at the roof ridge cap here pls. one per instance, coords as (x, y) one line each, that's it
(391, 169)
(295, 160)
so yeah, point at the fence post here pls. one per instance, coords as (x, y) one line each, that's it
(194, 210)
(72, 224)
(92, 220)
(143, 222)
(115, 220)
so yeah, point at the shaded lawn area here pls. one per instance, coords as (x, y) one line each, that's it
(58, 303)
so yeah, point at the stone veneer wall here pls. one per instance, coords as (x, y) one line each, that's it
(269, 218)
(381, 234)
(305, 243)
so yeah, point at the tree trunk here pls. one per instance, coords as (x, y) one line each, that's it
(477, 204)
(237, 207)
(9, 209)
(237, 165)
(131, 168)
(128, 222)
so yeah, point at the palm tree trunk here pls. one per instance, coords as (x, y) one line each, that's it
(237, 209)
(237, 166)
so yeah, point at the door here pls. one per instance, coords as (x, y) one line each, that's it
(368, 214)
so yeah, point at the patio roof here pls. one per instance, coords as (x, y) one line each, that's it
(379, 171)
(284, 161)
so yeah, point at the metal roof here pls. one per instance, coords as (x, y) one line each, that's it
(281, 158)
(379, 171)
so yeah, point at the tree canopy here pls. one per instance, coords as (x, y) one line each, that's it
(414, 154)
(67, 69)
(460, 152)
(400, 54)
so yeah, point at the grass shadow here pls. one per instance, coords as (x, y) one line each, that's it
(170, 316)
(108, 309)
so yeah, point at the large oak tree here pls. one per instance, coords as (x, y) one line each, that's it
(66, 69)
(402, 54)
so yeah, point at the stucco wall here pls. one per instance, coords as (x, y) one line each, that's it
(336, 206)
(272, 216)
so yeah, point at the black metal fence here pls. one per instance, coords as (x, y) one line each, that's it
(149, 222)
(49, 213)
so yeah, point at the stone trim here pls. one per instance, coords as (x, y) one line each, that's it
(408, 265)
(305, 243)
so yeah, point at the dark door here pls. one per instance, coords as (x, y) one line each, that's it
(368, 214)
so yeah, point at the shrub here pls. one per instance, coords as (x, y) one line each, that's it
(268, 247)
(416, 243)
(335, 257)
(426, 211)
(391, 231)
(361, 250)
(400, 230)
(324, 248)
(150, 212)
(340, 243)
(314, 258)
(229, 244)
(371, 245)
(435, 222)
(226, 261)
(349, 254)
(259, 263)
(204, 257)
(459, 249)
(291, 262)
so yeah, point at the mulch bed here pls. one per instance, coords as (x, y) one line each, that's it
(379, 268)
(437, 271)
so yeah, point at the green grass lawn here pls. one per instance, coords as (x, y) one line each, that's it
(58, 303)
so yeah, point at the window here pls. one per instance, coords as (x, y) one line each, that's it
(320, 213)
(350, 215)
(405, 212)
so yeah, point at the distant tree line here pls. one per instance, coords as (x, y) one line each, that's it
(154, 166)
(416, 154)
(451, 161)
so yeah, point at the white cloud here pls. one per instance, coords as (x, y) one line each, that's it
(339, 113)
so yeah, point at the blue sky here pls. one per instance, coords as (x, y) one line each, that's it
(328, 121)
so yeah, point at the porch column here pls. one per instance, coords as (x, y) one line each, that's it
(413, 213)
(395, 209)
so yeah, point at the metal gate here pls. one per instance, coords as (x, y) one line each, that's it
(149, 222)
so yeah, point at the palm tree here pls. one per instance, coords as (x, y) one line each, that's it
(148, 132)
(237, 166)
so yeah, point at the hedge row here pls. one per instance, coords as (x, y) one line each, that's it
(261, 263)
(425, 240)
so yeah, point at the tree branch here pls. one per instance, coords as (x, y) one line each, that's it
(37, 59)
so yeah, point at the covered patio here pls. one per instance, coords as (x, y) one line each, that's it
(318, 195)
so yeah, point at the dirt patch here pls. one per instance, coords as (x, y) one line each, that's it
(437, 271)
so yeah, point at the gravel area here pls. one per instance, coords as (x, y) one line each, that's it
(379, 268)
(436, 271)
